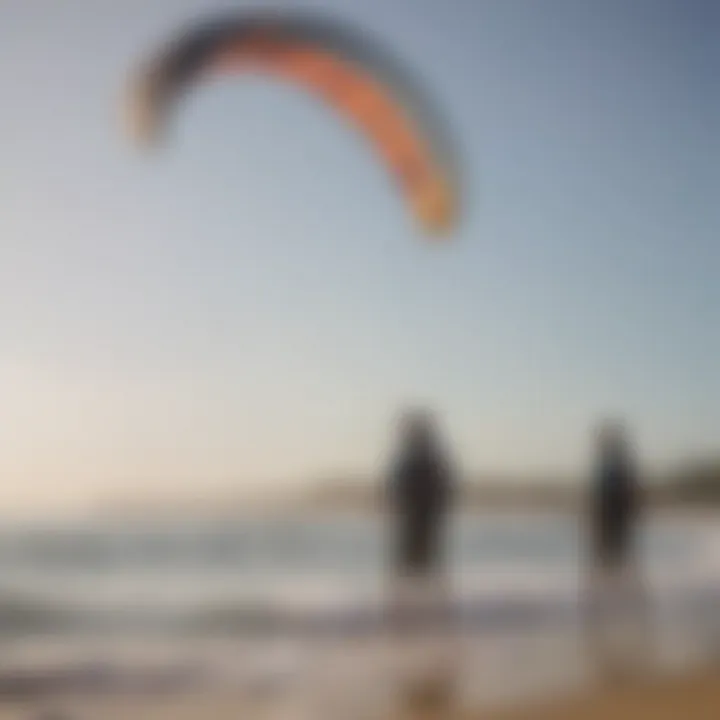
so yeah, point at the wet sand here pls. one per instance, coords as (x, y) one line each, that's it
(695, 697)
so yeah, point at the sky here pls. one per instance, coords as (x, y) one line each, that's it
(251, 308)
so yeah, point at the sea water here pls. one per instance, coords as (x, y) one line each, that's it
(196, 590)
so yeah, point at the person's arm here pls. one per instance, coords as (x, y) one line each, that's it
(448, 480)
(636, 491)
(595, 497)
(394, 484)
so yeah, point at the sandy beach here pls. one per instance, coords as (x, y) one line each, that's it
(693, 697)
(696, 697)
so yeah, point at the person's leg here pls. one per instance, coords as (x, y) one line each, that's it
(426, 641)
(638, 615)
(603, 593)
(422, 600)
(619, 627)
(594, 611)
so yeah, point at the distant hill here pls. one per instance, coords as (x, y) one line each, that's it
(694, 482)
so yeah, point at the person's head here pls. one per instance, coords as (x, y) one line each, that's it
(612, 438)
(418, 429)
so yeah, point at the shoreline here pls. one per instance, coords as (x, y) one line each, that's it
(694, 695)
(322, 511)
(500, 676)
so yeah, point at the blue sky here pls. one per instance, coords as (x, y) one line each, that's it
(252, 306)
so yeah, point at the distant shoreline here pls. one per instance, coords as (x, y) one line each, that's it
(365, 499)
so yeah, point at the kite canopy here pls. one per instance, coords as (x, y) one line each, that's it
(342, 67)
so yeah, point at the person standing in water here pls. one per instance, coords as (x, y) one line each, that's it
(615, 509)
(615, 503)
(421, 486)
(420, 492)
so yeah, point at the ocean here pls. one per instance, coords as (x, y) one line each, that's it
(177, 568)
(256, 597)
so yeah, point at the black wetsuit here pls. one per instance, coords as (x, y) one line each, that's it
(420, 489)
(614, 511)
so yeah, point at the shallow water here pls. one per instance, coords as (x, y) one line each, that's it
(314, 561)
(175, 595)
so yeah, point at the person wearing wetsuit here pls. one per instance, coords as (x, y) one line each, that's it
(616, 586)
(615, 502)
(420, 492)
